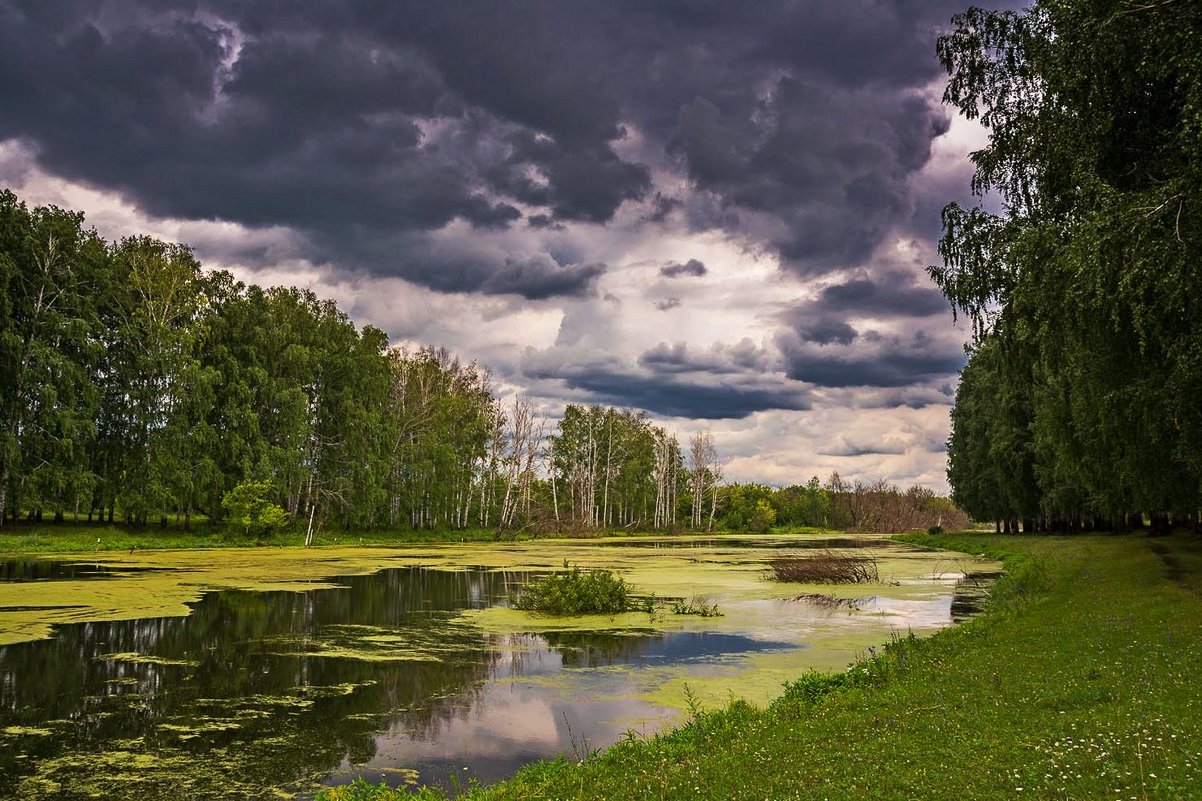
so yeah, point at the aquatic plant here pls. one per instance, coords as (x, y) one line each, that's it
(359, 790)
(573, 591)
(695, 606)
(825, 567)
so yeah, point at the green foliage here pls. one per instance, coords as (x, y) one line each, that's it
(613, 468)
(573, 591)
(361, 790)
(249, 507)
(50, 332)
(742, 507)
(1081, 406)
(762, 517)
(806, 504)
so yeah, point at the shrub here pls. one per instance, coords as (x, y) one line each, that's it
(573, 591)
(935, 530)
(249, 507)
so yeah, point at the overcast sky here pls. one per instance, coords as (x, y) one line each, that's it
(718, 212)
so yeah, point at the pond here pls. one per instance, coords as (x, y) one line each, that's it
(261, 673)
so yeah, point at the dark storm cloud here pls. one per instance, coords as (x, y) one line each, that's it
(893, 293)
(724, 381)
(826, 330)
(796, 125)
(829, 168)
(741, 357)
(674, 395)
(889, 363)
(691, 267)
(538, 276)
(541, 277)
(704, 401)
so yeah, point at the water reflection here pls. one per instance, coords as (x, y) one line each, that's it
(48, 570)
(256, 691)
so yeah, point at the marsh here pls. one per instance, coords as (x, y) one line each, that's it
(255, 672)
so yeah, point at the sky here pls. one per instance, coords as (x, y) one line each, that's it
(719, 213)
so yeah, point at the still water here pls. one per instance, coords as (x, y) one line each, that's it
(414, 672)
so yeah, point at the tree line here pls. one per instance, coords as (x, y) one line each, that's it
(1081, 404)
(840, 504)
(139, 386)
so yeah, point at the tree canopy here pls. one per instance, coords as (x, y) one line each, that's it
(1079, 267)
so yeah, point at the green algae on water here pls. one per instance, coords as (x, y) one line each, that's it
(146, 659)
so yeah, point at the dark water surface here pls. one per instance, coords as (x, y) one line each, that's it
(262, 691)
(46, 570)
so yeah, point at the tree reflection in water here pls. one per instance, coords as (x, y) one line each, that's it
(256, 692)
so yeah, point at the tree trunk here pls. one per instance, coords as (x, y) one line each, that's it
(309, 531)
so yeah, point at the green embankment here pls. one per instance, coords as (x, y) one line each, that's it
(73, 538)
(1082, 683)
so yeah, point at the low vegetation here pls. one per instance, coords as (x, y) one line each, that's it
(1080, 682)
(573, 591)
(695, 606)
(825, 567)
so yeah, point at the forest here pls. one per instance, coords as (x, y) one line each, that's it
(140, 387)
(1080, 267)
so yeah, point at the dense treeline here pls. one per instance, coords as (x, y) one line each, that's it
(837, 504)
(1081, 405)
(139, 386)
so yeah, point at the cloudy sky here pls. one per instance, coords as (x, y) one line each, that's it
(718, 212)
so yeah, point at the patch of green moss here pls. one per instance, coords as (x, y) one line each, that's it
(145, 659)
(26, 731)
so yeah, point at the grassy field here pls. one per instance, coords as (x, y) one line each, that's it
(1082, 682)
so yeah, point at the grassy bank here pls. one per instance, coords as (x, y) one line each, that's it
(1081, 682)
(73, 537)
(69, 537)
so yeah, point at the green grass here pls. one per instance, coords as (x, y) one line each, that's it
(69, 537)
(74, 537)
(1081, 682)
